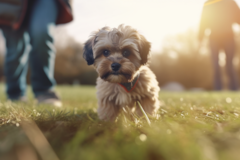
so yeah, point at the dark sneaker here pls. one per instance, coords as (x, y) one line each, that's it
(50, 98)
(19, 99)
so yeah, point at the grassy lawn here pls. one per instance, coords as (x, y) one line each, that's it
(189, 126)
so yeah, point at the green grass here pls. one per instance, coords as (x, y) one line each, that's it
(189, 126)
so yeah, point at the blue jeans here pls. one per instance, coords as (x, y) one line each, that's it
(229, 48)
(31, 45)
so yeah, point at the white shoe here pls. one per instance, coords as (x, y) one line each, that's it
(49, 98)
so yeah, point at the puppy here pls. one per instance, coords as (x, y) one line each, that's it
(120, 55)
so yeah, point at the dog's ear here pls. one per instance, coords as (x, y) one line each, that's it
(144, 49)
(88, 52)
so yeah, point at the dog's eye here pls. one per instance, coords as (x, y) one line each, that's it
(126, 53)
(106, 53)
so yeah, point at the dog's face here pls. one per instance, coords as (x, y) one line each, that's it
(117, 53)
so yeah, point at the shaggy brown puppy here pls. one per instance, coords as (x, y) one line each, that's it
(120, 56)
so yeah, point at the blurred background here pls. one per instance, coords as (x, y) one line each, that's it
(178, 60)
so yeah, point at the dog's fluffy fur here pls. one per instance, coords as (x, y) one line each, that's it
(124, 46)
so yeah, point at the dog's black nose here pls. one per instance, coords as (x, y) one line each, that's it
(115, 66)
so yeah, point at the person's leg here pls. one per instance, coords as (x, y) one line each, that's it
(42, 57)
(232, 74)
(16, 62)
(216, 68)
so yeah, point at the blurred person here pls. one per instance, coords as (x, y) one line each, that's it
(27, 26)
(219, 16)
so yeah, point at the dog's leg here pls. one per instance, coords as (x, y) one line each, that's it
(107, 111)
(149, 105)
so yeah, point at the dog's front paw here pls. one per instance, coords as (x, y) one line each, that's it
(149, 105)
(108, 112)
